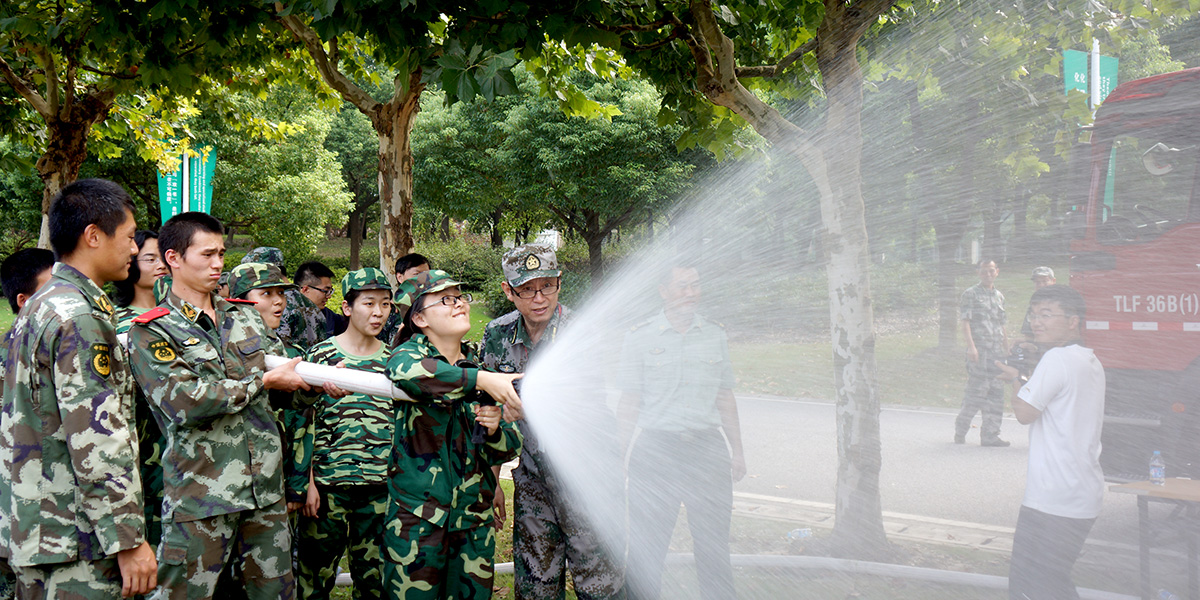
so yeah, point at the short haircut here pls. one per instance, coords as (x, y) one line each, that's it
(125, 289)
(98, 202)
(410, 260)
(1070, 300)
(177, 234)
(985, 260)
(19, 272)
(668, 268)
(310, 273)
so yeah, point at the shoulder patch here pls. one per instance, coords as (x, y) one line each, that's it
(151, 315)
(162, 351)
(241, 301)
(101, 359)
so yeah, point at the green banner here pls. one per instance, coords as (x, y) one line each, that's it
(189, 186)
(1075, 73)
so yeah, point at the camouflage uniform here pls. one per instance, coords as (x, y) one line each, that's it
(547, 532)
(438, 542)
(303, 322)
(150, 440)
(8, 580)
(222, 464)
(71, 498)
(353, 437)
(984, 309)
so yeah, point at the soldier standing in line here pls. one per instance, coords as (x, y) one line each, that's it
(22, 274)
(982, 313)
(348, 495)
(677, 388)
(438, 541)
(200, 360)
(72, 506)
(135, 296)
(547, 533)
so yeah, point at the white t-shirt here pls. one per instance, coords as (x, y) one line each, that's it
(1064, 476)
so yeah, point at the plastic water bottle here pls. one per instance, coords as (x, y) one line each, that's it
(1166, 595)
(1158, 469)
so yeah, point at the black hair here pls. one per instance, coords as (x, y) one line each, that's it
(985, 260)
(350, 297)
(19, 273)
(98, 202)
(125, 289)
(410, 260)
(1069, 299)
(310, 273)
(407, 329)
(178, 232)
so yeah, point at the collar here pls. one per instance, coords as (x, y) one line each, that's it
(520, 333)
(96, 296)
(432, 351)
(190, 311)
(663, 325)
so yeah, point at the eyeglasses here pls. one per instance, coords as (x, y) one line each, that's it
(327, 291)
(150, 259)
(1045, 316)
(449, 301)
(547, 290)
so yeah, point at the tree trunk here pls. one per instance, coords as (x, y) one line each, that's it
(594, 236)
(394, 123)
(66, 149)
(858, 529)
(497, 238)
(443, 229)
(355, 230)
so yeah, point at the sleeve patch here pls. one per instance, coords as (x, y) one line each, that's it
(101, 359)
(162, 351)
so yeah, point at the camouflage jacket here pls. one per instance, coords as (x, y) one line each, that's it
(73, 491)
(435, 471)
(204, 383)
(506, 348)
(303, 323)
(984, 309)
(150, 438)
(352, 435)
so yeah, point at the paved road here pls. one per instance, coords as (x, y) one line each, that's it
(791, 452)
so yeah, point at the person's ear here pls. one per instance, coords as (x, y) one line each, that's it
(172, 258)
(508, 291)
(345, 308)
(91, 236)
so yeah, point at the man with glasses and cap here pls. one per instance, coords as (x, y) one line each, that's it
(547, 536)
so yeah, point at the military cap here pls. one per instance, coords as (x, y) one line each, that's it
(224, 279)
(529, 261)
(423, 283)
(264, 254)
(368, 278)
(1042, 272)
(252, 276)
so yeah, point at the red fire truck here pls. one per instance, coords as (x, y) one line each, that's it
(1135, 257)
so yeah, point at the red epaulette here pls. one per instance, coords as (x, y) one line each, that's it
(241, 301)
(151, 315)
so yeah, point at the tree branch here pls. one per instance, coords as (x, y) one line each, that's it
(865, 12)
(112, 74)
(329, 71)
(28, 93)
(777, 69)
(676, 33)
(46, 61)
(668, 19)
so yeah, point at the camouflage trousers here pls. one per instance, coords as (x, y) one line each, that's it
(193, 554)
(78, 580)
(351, 517)
(984, 394)
(8, 581)
(422, 561)
(547, 536)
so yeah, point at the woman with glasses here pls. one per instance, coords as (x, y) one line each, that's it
(438, 540)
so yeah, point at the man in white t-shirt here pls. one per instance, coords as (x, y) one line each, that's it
(1063, 402)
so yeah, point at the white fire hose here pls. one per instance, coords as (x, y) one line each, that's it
(351, 380)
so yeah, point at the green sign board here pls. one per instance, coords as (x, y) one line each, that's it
(189, 186)
(1075, 73)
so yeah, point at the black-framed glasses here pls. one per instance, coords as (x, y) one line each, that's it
(327, 291)
(547, 290)
(449, 301)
